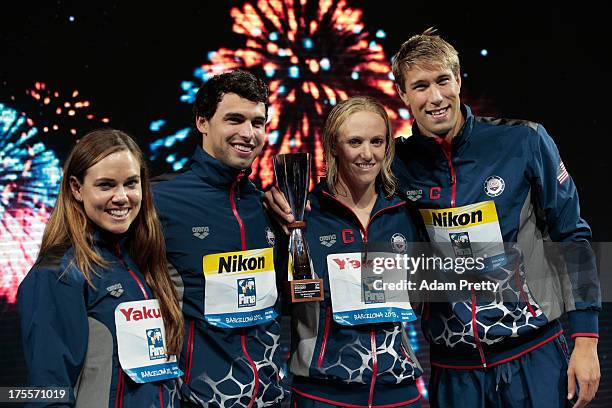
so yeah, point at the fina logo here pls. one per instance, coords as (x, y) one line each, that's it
(461, 244)
(156, 344)
(494, 186)
(370, 294)
(399, 242)
(328, 240)
(270, 236)
(200, 232)
(247, 297)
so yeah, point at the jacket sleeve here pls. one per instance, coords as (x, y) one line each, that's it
(557, 198)
(54, 329)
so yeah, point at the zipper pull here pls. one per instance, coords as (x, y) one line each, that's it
(238, 178)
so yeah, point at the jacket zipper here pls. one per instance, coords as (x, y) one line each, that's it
(364, 231)
(235, 210)
(120, 380)
(325, 335)
(374, 365)
(475, 330)
(233, 190)
(447, 151)
(140, 285)
(253, 367)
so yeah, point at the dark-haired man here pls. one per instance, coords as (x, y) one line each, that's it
(220, 247)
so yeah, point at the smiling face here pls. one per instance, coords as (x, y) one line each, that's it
(432, 95)
(236, 132)
(360, 149)
(110, 191)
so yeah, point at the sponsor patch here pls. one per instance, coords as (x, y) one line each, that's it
(494, 186)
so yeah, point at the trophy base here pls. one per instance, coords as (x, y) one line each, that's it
(306, 290)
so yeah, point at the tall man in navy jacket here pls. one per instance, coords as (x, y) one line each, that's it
(510, 352)
(488, 353)
(220, 250)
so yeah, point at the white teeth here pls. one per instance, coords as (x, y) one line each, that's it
(438, 112)
(365, 165)
(243, 148)
(119, 213)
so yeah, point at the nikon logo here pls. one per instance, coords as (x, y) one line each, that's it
(238, 263)
(447, 219)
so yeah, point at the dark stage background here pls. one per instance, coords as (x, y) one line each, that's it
(69, 67)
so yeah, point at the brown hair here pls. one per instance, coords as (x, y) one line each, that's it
(426, 50)
(336, 118)
(68, 224)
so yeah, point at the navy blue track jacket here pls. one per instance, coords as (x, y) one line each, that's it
(69, 333)
(517, 165)
(207, 209)
(364, 365)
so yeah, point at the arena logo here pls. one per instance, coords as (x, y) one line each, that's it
(200, 232)
(115, 290)
(414, 195)
(328, 240)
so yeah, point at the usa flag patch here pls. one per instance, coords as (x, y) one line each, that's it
(562, 174)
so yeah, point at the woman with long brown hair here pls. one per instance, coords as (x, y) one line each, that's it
(99, 313)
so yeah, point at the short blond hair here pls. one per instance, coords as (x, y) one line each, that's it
(336, 118)
(425, 50)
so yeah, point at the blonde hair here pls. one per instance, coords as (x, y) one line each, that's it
(69, 224)
(425, 50)
(336, 118)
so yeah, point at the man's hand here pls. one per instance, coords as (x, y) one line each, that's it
(276, 204)
(584, 367)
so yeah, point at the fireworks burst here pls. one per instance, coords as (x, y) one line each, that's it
(59, 112)
(314, 54)
(29, 180)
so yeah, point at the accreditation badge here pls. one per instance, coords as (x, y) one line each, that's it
(240, 288)
(470, 231)
(360, 296)
(141, 342)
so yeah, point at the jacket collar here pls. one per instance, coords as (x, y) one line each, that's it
(322, 192)
(215, 173)
(460, 139)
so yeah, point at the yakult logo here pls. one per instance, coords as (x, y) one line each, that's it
(155, 342)
(140, 314)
